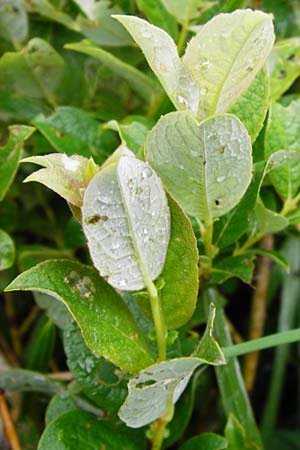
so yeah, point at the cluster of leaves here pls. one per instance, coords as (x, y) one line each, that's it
(174, 169)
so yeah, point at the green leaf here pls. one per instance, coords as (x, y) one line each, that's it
(107, 325)
(140, 83)
(126, 220)
(46, 9)
(252, 106)
(240, 266)
(7, 251)
(72, 131)
(10, 155)
(283, 132)
(153, 390)
(187, 10)
(65, 175)
(206, 167)
(266, 221)
(20, 380)
(133, 134)
(229, 228)
(206, 441)
(226, 55)
(162, 56)
(180, 273)
(99, 26)
(34, 71)
(273, 255)
(61, 403)
(13, 21)
(236, 436)
(284, 66)
(55, 309)
(100, 381)
(77, 429)
(158, 15)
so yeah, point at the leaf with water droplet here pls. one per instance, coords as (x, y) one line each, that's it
(153, 389)
(234, 48)
(65, 175)
(107, 325)
(196, 179)
(126, 220)
(283, 132)
(284, 65)
(162, 56)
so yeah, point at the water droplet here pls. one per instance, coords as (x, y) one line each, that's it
(220, 179)
(203, 64)
(194, 153)
(147, 173)
(145, 230)
(182, 100)
(146, 33)
(203, 90)
(123, 283)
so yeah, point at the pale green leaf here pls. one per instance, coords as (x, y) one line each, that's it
(107, 325)
(7, 250)
(151, 393)
(156, 13)
(10, 155)
(138, 81)
(267, 221)
(13, 20)
(187, 10)
(46, 9)
(206, 167)
(65, 175)
(252, 106)
(283, 132)
(226, 55)
(99, 26)
(284, 65)
(162, 56)
(126, 220)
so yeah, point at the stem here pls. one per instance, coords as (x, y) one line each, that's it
(207, 239)
(290, 204)
(8, 424)
(182, 37)
(258, 312)
(159, 427)
(158, 319)
(273, 340)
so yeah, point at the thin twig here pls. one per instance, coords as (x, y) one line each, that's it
(29, 320)
(258, 312)
(62, 376)
(8, 424)
(236, 337)
(8, 351)
(11, 316)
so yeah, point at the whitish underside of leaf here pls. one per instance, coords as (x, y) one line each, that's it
(152, 391)
(206, 167)
(126, 220)
(162, 56)
(226, 55)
